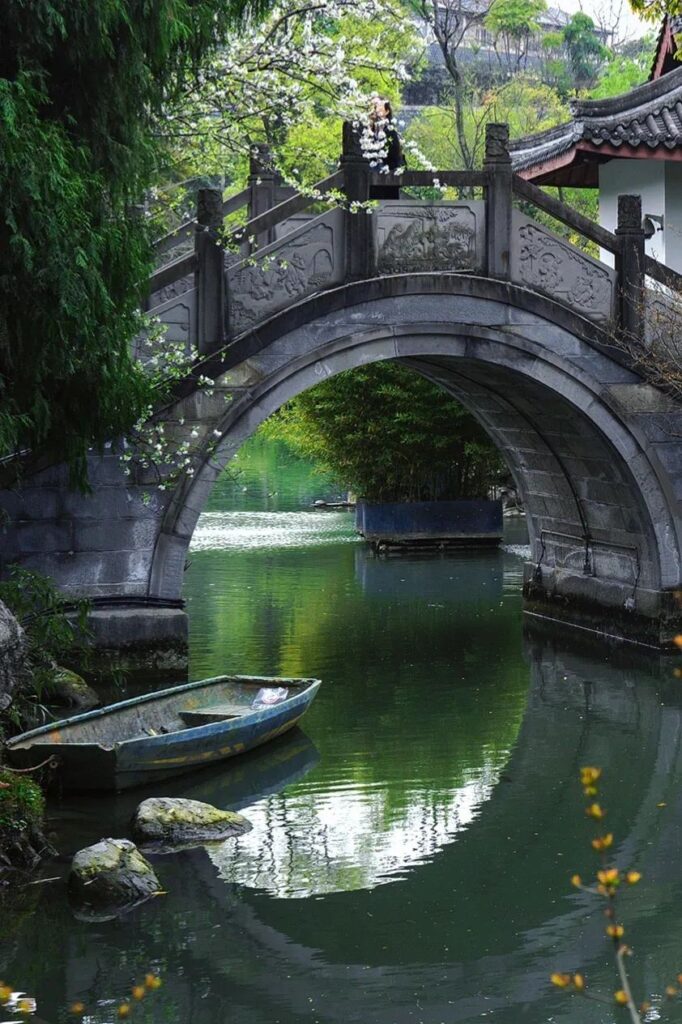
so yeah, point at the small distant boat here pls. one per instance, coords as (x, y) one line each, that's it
(162, 734)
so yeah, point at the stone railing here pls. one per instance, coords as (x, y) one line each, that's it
(217, 287)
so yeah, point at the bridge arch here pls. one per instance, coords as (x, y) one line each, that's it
(545, 384)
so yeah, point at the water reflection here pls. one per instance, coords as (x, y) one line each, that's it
(410, 858)
(469, 930)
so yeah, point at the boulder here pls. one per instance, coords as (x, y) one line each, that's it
(164, 823)
(13, 670)
(111, 875)
(67, 687)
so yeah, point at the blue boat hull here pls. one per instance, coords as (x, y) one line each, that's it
(145, 759)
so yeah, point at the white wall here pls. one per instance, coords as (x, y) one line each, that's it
(673, 215)
(647, 178)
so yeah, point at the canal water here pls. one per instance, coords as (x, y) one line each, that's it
(413, 843)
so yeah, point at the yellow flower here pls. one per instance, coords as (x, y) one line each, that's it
(5, 992)
(595, 811)
(621, 997)
(590, 790)
(633, 877)
(77, 1008)
(588, 775)
(603, 842)
(561, 980)
(609, 877)
(124, 1010)
(677, 640)
(576, 880)
(138, 992)
(671, 991)
(579, 982)
(615, 931)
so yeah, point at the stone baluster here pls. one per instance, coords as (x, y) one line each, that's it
(210, 271)
(498, 200)
(263, 183)
(630, 267)
(360, 226)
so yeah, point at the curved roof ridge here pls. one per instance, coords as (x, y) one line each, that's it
(641, 95)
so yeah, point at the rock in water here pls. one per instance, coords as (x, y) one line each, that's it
(69, 688)
(112, 874)
(166, 823)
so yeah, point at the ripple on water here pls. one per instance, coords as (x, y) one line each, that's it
(242, 531)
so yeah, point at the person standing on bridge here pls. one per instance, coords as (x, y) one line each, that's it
(387, 139)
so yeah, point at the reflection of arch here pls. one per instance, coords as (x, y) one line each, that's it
(531, 373)
(477, 929)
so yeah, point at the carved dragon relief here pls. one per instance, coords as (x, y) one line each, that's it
(297, 267)
(414, 238)
(548, 264)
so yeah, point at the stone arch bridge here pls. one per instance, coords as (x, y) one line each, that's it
(528, 331)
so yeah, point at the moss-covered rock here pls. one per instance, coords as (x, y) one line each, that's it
(22, 806)
(111, 875)
(71, 690)
(165, 823)
(13, 670)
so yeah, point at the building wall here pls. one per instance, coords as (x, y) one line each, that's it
(648, 179)
(673, 215)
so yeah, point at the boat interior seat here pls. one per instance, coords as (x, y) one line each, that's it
(214, 713)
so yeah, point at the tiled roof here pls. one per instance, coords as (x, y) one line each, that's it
(648, 118)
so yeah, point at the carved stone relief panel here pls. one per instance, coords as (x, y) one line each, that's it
(178, 315)
(418, 236)
(663, 315)
(308, 260)
(546, 263)
(171, 291)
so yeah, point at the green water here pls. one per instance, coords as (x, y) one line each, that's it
(412, 845)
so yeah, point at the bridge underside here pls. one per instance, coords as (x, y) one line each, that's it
(592, 448)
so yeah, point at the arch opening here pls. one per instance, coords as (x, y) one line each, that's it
(597, 513)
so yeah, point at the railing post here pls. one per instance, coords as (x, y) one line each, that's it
(359, 235)
(263, 182)
(210, 273)
(499, 200)
(630, 266)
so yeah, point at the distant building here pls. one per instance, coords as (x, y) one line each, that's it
(626, 144)
(477, 48)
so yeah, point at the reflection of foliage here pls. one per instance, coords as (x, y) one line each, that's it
(390, 435)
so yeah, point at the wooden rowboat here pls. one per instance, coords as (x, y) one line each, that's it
(162, 734)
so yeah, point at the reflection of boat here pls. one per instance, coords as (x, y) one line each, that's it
(243, 782)
(165, 733)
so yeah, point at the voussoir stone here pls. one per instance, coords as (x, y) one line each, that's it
(112, 873)
(169, 822)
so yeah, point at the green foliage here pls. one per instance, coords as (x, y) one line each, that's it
(525, 104)
(390, 435)
(514, 18)
(82, 85)
(586, 53)
(620, 75)
(21, 801)
(54, 629)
